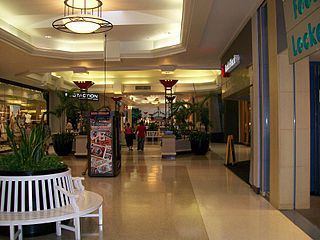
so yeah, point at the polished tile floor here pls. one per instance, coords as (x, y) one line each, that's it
(192, 197)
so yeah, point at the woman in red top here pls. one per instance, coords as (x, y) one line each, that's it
(141, 130)
(129, 136)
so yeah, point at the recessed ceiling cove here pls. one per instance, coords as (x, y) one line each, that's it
(140, 27)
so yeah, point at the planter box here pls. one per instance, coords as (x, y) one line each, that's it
(81, 146)
(183, 145)
(168, 146)
(171, 146)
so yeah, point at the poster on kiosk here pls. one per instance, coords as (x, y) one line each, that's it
(104, 158)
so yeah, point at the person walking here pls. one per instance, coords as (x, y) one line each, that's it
(141, 130)
(129, 136)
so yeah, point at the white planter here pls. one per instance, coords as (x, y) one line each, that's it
(81, 146)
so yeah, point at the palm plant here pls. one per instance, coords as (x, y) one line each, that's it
(71, 107)
(182, 111)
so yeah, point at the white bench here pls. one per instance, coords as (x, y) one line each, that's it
(153, 135)
(29, 200)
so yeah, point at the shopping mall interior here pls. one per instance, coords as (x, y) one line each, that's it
(191, 119)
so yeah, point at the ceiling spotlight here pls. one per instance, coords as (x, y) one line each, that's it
(82, 17)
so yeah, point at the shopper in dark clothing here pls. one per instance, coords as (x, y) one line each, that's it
(129, 136)
(141, 130)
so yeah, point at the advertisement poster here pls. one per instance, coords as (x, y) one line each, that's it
(101, 144)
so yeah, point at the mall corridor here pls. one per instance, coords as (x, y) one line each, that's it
(193, 197)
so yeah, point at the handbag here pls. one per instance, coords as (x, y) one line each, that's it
(133, 136)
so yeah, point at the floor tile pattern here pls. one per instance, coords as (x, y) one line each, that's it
(192, 197)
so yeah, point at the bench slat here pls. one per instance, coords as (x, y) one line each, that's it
(64, 185)
(23, 192)
(30, 195)
(37, 195)
(44, 194)
(16, 190)
(50, 182)
(9, 196)
(61, 197)
(56, 194)
(3, 191)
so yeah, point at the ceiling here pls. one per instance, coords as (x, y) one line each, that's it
(186, 37)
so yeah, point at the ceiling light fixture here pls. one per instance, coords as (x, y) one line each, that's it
(82, 17)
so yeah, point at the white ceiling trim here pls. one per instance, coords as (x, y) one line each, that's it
(25, 46)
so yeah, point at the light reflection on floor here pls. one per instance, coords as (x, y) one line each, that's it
(192, 197)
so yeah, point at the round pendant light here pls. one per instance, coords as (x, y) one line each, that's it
(82, 17)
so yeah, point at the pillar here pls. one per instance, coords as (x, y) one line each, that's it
(290, 141)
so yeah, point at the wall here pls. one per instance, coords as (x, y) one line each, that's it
(289, 145)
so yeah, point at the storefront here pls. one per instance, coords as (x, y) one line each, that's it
(236, 83)
(19, 105)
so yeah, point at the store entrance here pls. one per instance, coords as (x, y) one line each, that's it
(315, 128)
(245, 122)
(313, 213)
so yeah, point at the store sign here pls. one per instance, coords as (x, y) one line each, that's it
(303, 27)
(85, 96)
(232, 64)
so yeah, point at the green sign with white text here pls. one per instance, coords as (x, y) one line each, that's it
(303, 27)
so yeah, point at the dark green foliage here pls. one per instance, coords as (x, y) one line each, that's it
(72, 107)
(153, 126)
(30, 153)
(182, 110)
(136, 115)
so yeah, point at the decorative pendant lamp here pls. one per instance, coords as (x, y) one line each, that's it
(82, 17)
(83, 85)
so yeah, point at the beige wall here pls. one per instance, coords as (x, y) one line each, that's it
(273, 88)
(282, 133)
(302, 75)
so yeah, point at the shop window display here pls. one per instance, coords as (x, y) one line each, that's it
(19, 106)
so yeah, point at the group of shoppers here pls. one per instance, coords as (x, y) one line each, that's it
(130, 135)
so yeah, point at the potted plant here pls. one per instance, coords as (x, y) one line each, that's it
(29, 158)
(199, 137)
(199, 142)
(74, 109)
(29, 155)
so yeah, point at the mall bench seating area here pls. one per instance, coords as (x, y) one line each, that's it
(153, 135)
(30, 200)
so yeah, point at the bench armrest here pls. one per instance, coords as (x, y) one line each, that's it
(72, 196)
(77, 182)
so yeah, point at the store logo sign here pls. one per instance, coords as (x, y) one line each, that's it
(303, 27)
(232, 64)
(85, 96)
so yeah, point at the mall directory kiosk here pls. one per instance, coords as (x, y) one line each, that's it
(105, 152)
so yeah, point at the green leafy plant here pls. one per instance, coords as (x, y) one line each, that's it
(199, 136)
(70, 106)
(183, 111)
(153, 126)
(30, 153)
